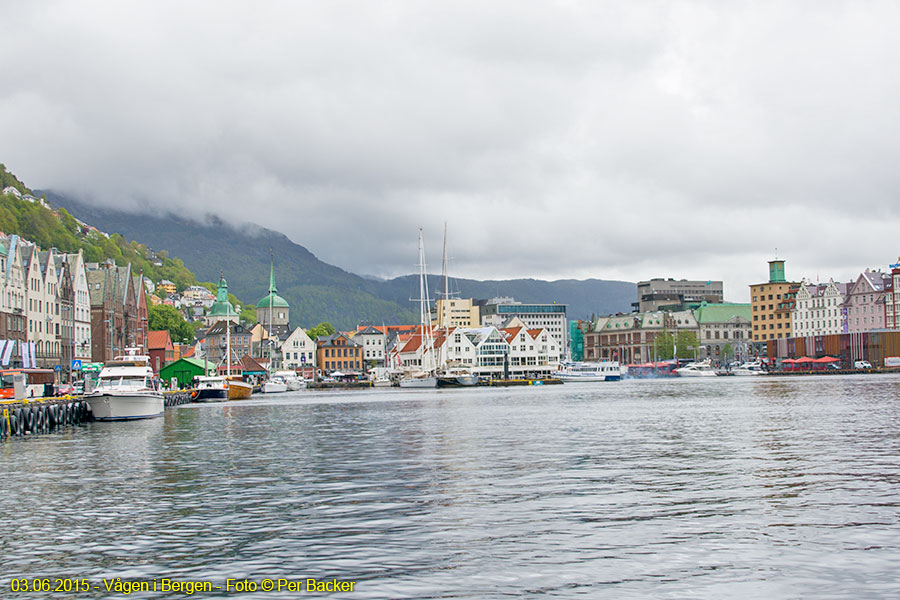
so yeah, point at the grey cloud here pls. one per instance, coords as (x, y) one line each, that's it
(613, 140)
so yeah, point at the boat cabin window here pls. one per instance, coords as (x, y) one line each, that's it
(122, 382)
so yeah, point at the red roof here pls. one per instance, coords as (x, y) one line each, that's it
(159, 340)
(511, 333)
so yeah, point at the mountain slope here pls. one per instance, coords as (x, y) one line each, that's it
(316, 290)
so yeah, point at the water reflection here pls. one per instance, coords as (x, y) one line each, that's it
(729, 487)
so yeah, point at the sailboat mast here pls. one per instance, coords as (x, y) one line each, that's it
(446, 284)
(228, 347)
(271, 306)
(424, 311)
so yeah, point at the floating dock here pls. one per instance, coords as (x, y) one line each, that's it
(32, 416)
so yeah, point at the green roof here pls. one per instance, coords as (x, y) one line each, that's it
(720, 313)
(222, 307)
(276, 301)
(272, 298)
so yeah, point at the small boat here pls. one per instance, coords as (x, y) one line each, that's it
(211, 388)
(275, 385)
(697, 369)
(238, 389)
(604, 370)
(457, 378)
(419, 380)
(292, 380)
(126, 389)
(749, 368)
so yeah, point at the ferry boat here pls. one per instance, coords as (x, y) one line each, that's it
(126, 389)
(697, 369)
(211, 388)
(604, 370)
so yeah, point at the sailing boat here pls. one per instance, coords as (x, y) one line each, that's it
(450, 376)
(238, 389)
(424, 378)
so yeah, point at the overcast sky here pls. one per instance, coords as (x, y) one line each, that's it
(570, 139)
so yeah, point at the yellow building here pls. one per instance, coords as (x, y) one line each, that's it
(771, 305)
(462, 313)
(167, 286)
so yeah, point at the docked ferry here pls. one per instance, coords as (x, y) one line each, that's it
(604, 370)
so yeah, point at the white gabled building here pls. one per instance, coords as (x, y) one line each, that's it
(298, 351)
(487, 351)
(532, 351)
(13, 321)
(82, 310)
(817, 309)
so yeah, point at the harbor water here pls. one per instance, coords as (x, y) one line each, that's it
(702, 488)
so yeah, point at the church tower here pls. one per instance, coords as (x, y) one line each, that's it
(273, 311)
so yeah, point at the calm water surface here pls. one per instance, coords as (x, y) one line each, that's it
(732, 487)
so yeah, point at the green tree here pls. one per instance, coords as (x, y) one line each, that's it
(664, 345)
(727, 351)
(686, 342)
(322, 329)
(164, 317)
(248, 314)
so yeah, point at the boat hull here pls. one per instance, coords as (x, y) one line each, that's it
(272, 387)
(210, 394)
(458, 381)
(569, 378)
(695, 373)
(745, 373)
(123, 407)
(419, 382)
(239, 390)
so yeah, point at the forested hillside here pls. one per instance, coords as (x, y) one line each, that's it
(56, 228)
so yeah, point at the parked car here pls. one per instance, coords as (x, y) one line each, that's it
(862, 364)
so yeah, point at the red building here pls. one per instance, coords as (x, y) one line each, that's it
(161, 349)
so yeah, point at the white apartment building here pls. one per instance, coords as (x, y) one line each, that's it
(298, 350)
(82, 306)
(373, 343)
(42, 309)
(818, 309)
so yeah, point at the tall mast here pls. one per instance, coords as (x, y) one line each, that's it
(424, 309)
(271, 305)
(446, 284)
(228, 346)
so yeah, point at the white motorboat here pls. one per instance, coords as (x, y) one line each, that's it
(697, 369)
(126, 389)
(210, 388)
(748, 369)
(275, 385)
(419, 380)
(457, 377)
(292, 380)
(604, 370)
